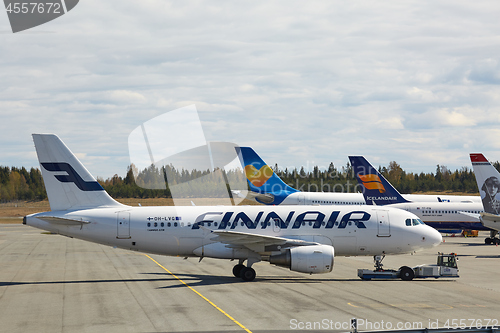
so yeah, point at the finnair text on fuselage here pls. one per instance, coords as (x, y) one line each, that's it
(316, 219)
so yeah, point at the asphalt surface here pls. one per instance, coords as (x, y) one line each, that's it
(51, 283)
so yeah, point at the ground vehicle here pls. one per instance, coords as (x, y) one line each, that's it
(446, 267)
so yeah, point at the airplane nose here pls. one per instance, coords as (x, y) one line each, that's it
(432, 237)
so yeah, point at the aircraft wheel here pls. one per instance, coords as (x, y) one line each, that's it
(237, 269)
(496, 241)
(247, 274)
(407, 274)
(487, 241)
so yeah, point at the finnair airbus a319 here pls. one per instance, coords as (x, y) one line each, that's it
(301, 238)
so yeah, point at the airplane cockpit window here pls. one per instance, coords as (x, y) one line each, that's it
(408, 222)
(417, 221)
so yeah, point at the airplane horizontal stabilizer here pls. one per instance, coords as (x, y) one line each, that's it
(490, 217)
(63, 220)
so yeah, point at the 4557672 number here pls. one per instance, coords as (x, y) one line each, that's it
(34, 7)
(471, 323)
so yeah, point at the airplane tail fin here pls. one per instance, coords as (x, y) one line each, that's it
(262, 179)
(68, 183)
(488, 182)
(376, 189)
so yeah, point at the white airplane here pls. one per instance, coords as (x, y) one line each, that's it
(267, 188)
(488, 182)
(444, 216)
(301, 238)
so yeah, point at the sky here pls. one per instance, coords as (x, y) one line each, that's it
(303, 83)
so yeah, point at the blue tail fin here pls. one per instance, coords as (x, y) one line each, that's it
(261, 178)
(376, 189)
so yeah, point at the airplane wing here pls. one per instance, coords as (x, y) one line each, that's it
(490, 217)
(490, 220)
(264, 197)
(473, 215)
(257, 243)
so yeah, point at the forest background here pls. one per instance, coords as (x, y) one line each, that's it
(21, 184)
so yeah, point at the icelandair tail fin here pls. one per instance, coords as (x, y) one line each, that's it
(68, 183)
(376, 189)
(262, 179)
(488, 182)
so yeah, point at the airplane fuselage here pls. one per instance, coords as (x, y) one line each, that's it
(440, 215)
(447, 215)
(188, 231)
(339, 198)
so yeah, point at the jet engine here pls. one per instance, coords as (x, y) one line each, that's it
(306, 259)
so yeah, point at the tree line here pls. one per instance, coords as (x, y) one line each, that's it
(21, 184)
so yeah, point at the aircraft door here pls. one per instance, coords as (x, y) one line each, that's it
(123, 225)
(383, 224)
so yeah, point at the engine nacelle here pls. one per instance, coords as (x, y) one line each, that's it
(306, 259)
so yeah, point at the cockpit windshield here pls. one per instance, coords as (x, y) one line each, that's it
(410, 222)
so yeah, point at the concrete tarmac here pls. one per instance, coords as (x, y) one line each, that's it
(51, 283)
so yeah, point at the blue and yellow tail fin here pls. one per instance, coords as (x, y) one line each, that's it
(376, 189)
(261, 178)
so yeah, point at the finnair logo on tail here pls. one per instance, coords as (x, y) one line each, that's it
(372, 182)
(72, 176)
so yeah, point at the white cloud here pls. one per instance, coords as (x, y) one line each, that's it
(125, 96)
(454, 118)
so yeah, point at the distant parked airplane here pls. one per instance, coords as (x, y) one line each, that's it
(444, 216)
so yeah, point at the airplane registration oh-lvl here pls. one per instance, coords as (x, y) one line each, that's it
(301, 238)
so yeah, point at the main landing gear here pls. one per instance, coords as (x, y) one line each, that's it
(246, 273)
(492, 239)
